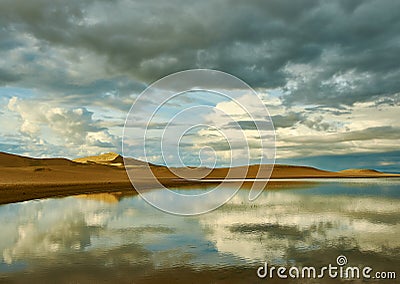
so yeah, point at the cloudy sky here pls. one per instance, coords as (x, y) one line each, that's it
(328, 71)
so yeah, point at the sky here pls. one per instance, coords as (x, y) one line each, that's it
(327, 71)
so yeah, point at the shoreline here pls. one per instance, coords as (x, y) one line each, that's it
(13, 193)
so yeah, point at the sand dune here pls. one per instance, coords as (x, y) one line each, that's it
(106, 158)
(110, 159)
(24, 178)
(366, 172)
(11, 160)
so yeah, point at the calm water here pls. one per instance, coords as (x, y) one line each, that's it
(107, 238)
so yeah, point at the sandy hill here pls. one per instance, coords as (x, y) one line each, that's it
(289, 171)
(106, 158)
(110, 159)
(260, 171)
(360, 172)
(12, 160)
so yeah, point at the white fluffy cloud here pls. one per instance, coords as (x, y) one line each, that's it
(73, 129)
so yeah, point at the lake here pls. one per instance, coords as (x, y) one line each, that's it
(115, 238)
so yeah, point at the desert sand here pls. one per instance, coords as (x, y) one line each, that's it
(24, 178)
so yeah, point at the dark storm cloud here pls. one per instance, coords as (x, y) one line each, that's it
(249, 125)
(7, 77)
(288, 120)
(291, 119)
(319, 52)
